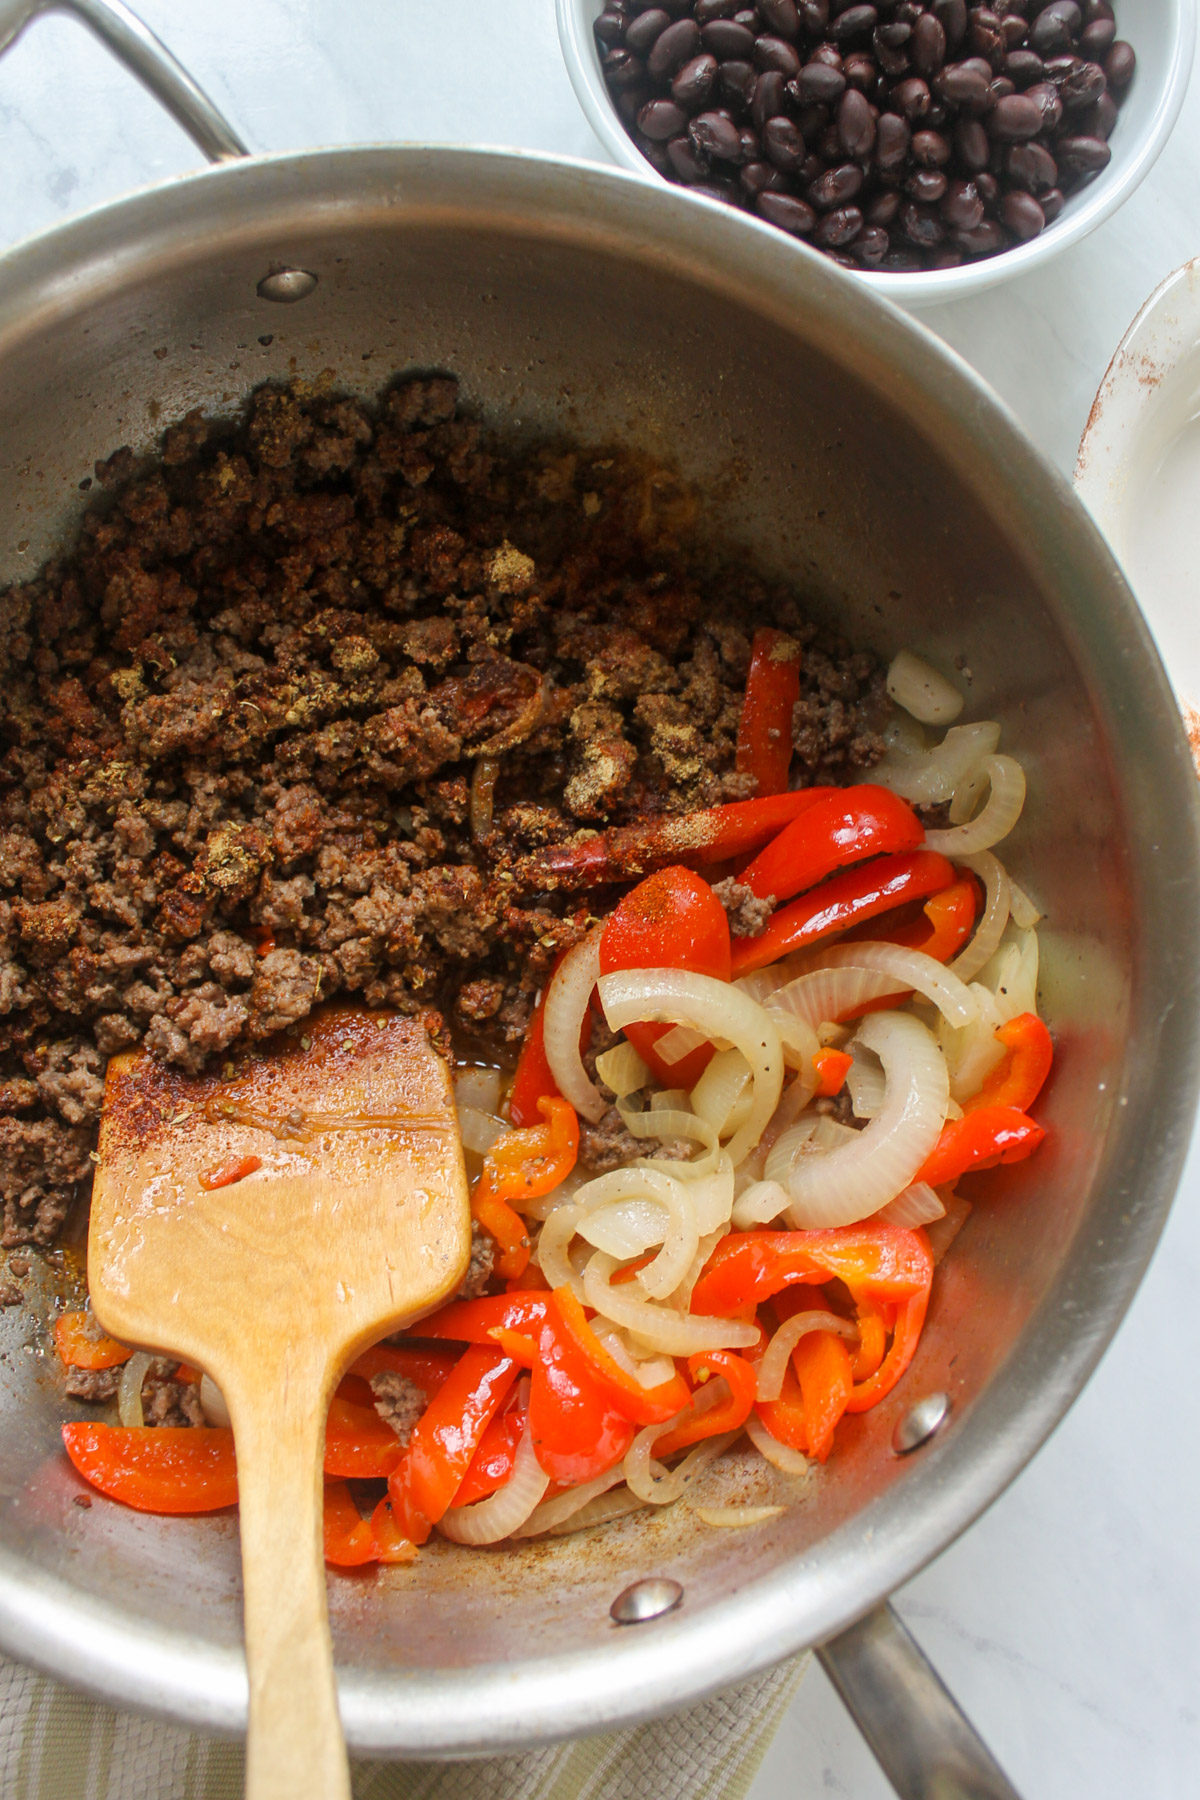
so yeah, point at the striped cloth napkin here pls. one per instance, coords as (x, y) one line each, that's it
(56, 1744)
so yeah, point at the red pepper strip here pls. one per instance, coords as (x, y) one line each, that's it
(354, 1389)
(184, 1372)
(522, 1349)
(82, 1345)
(349, 1539)
(727, 1415)
(530, 1277)
(522, 1165)
(832, 1068)
(358, 1443)
(672, 920)
(980, 1140)
(493, 1462)
(577, 1432)
(764, 741)
(533, 1081)
(159, 1468)
(785, 1418)
(428, 1369)
(445, 1440)
(225, 1174)
(874, 1323)
(906, 1335)
(949, 919)
(747, 1267)
(1017, 1081)
(697, 838)
(645, 1406)
(847, 826)
(859, 894)
(825, 1372)
(390, 1542)
(472, 1321)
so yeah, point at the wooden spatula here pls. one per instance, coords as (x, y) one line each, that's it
(355, 1221)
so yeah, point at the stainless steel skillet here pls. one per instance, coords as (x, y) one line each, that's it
(842, 446)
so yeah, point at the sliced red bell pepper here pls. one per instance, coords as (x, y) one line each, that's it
(825, 1372)
(82, 1345)
(728, 1415)
(390, 1542)
(427, 1369)
(847, 826)
(226, 1173)
(910, 1317)
(671, 920)
(1018, 1080)
(522, 1165)
(948, 922)
(358, 1443)
(445, 1439)
(157, 1469)
(532, 1080)
(697, 839)
(832, 1068)
(747, 1267)
(473, 1321)
(980, 1140)
(493, 1462)
(349, 1540)
(843, 901)
(875, 1319)
(577, 1432)
(764, 741)
(785, 1418)
(645, 1406)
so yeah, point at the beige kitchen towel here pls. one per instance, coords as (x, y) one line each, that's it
(56, 1744)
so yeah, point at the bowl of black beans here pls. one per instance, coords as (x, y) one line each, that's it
(933, 146)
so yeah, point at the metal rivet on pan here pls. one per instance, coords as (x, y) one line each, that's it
(648, 1599)
(920, 1422)
(287, 285)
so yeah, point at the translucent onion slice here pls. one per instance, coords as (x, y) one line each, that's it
(129, 1393)
(865, 1082)
(552, 1246)
(677, 1043)
(681, 1299)
(799, 1039)
(1012, 975)
(650, 1371)
(719, 1089)
(647, 1478)
(212, 1402)
(809, 1136)
(542, 1205)
(562, 1022)
(600, 1511)
(1025, 912)
(718, 1010)
(762, 1202)
(639, 1207)
(922, 691)
(972, 1053)
(673, 1333)
(505, 1511)
(990, 929)
(480, 1088)
(1006, 780)
(773, 1366)
(478, 1130)
(564, 1506)
(622, 1070)
(664, 1123)
(929, 777)
(780, 1456)
(731, 1517)
(712, 1197)
(917, 1205)
(853, 1181)
(893, 965)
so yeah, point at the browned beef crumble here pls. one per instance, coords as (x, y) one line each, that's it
(242, 716)
(92, 1384)
(748, 914)
(398, 1401)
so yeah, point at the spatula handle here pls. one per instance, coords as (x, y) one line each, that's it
(295, 1749)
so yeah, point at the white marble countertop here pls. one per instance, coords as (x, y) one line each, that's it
(1066, 1619)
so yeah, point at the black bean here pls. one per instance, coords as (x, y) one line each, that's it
(727, 40)
(1045, 95)
(655, 154)
(988, 186)
(1014, 118)
(921, 226)
(985, 240)
(839, 227)
(855, 124)
(685, 162)
(930, 149)
(747, 16)
(716, 189)
(1023, 67)
(1059, 67)
(672, 48)
(662, 119)
(705, 11)
(962, 85)
(1096, 39)
(782, 143)
(971, 145)
(895, 36)
(1022, 215)
(951, 15)
(871, 246)
(694, 82)
(836, 186)
(610, 28)
(786, 211)
(1001, 88)
(1031, 167)
(912, 97)
(630, 102)
(1099, 120)
(623, 70)
(1052, 204)
(926, 186)
(642, 33)
(987, 36)
(962, 206)
(860, 71)
(1014, 30)
(816, 84)
(814, 15)
(810, 168)
(891, 59)
(854, 23)
(768, 98)
(1096, 9)
(712, 134)
(1120, 64)
(1055, 26)
(929, 46)
(737, 83)
(828, 53)
(892, 142)
(883, 208)
(781, 17)
(1082, 87)
(1082, 155)
(776, 53)
(755, 176)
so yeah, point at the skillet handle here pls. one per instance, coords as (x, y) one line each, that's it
(926, 1747)
(145, 56)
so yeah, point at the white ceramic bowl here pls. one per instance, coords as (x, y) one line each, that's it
(1163, 32)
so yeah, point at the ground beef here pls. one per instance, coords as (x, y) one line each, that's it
(606, 1144)
(93, 1384)
(479, 1269)
(239, 721)
(168, 1401)
(398, 1401)
(748, 914)
(10, 1294)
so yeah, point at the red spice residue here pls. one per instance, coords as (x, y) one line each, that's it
(225, 1174)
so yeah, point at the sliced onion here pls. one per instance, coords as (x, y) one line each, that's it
(810, 1135)
(480, 1088)
(773, 1366)
(478, 1130)
(856, 1179)
(682, 1297)
(647, 1478)
(894, 967)
(990, 929)
(780, 1456)
(718, 1010)
(762, 1202)
(922, 691)
(648, 1372)
(929, 777)
(540, 1206)
(640, 1207)
(972, 1054)
(1006, 779)
(483, 785)
(917, 1205)
(129, 1393)
(552, 1245)
(865, 1082)
(734, 1516)
(507, 1509)
(677, 1043)
(1014, 976)
(719, 1089)
(1025, 912)
(712, 1197)
(622, 1070)
(600, 1511)
(658, 1327)
(664, 1123)
(567, 1001)
(212, 1402)
(564, 1506)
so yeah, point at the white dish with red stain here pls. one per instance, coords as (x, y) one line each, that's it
(1138, 472)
